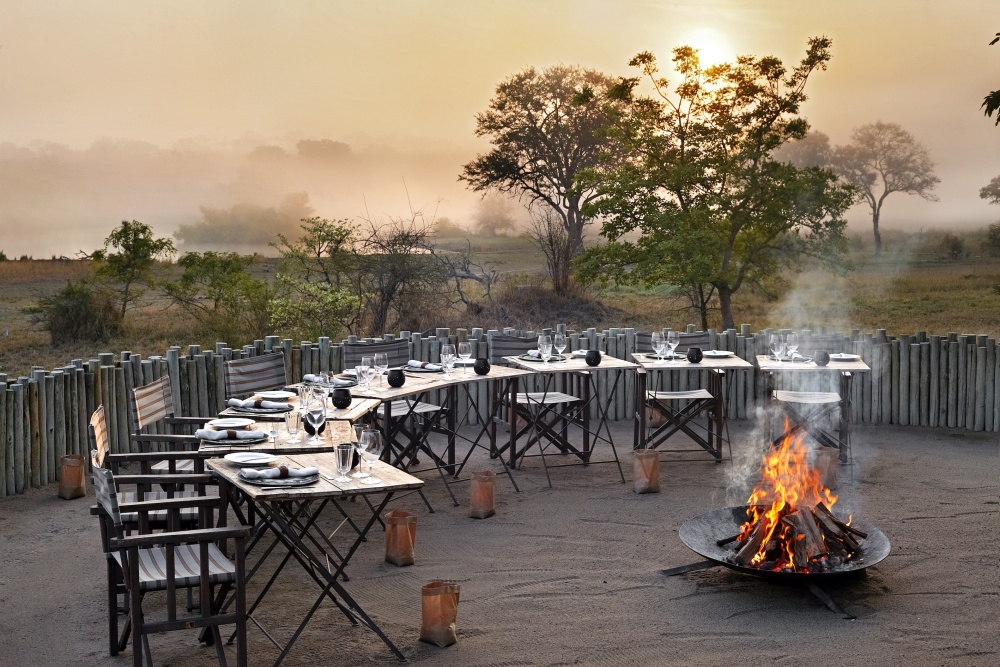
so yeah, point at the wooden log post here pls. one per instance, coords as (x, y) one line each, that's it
(914, 388)
(33, 445)
(979, 411)
(953, 379)
(10, 441)
(19, 445)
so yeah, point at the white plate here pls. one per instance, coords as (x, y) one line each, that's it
(250, 459)
(231, 423)
(275, 395)
(717, 354)
(843, 356)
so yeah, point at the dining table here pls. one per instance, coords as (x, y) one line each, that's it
(289, 511)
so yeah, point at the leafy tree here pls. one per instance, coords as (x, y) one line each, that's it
(131, 267)
(80, 311)
(713, 209)
(812, 150)
(311, 309)
(545, 127)
(881, 159)
(991, 103)
(991, 191)
(244, 224)
(494, 214)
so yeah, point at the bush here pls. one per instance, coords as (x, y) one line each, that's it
(79, 312)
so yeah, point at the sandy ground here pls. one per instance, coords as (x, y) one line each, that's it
(571, 575)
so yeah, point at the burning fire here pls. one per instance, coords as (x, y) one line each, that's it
(789, 524)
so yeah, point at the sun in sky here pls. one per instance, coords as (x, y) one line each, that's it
(713, 46)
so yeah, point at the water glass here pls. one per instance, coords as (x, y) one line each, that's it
(559, 343)
(465, 352)
(293, 422)
(545, 348)
(777, 345)
(791, 345)
(361, 373)
(448, 358)
(673, 340)
(658, 344)
(381, 365)
(345, 453)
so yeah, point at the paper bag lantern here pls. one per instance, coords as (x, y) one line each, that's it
(71, 477)
(483, 486)
(646, 471)
(400, 535)
(439, 613)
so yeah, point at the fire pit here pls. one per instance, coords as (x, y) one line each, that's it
(787, 531)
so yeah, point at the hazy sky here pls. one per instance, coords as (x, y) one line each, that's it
(412, 75)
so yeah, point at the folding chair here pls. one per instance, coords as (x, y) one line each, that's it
(546, 414)
(682, 409)
(408, 419)
(814, 412)
(265, 372)
(154, 404)
(168, 561)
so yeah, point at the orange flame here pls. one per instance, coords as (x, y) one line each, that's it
(787, 483)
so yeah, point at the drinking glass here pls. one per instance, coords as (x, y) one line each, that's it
(545, 348)
(448, 358)
(777, 345)
(465, 352)
(345, 452)
(372, 451)
(791, 344)
(368, 363)
(360, 445)
(381, 365)
(316, 417)
(673, 340)
(293, 422)
(559, 343)
(656, 340)
(361, 373)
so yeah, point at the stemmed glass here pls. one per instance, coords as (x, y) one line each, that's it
(293, 421)
(316, 417)
(360, 444)
(673, 340)
(381, 365)
(559, 343)
(372, 451)
(545, 348)
(361, 373)
(368, 363)
(465, 352)
(370, 374)
(777, 345)
(656, 340)
(345, 452)
(448, 358)
(791, 345)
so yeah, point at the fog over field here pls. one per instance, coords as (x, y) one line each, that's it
(175, 113)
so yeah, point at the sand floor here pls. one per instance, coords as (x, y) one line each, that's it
(571, 575)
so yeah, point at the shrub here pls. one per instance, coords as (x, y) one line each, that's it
(79, 312)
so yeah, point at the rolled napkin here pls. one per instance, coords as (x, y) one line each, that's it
(533, 353)
(335, 381)
(279, 472)
(230, 434)
(580, 353)
(426, 365)
(256, 403)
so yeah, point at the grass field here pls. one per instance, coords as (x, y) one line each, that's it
(903, 292)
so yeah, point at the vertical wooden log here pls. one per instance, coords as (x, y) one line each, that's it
(201, 377)
(19, 448)
(305, 360)
(184, 375)
(979, 411)
(124, 414)
(954, 377)
(898, 378)
(996, 392)
(6, 462)
(296, 363)
(324, 354)
(10, 439)
(914, 387)
(970, 391)
(52, 451)
(207, 365)
(934, 382)
(961, 401)
(990, 394)
(174, 372)
(64, 441)
(34, 443)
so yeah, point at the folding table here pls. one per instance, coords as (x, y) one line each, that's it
(290, 514)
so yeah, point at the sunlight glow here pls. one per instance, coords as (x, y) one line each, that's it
(713, 46)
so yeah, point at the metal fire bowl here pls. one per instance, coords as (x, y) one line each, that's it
(701, 533)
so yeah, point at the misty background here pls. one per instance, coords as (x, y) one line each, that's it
(246, 116)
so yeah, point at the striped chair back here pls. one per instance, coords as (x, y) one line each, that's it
(99, 440)
(510, 346)
(151, 403)
(398, 352)
(104, 491)
(245, 377)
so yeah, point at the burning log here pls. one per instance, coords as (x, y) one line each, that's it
(847, 528)
(807, 540)
(752, 545)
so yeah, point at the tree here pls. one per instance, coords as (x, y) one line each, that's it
(494, 214)
(991, 103)
(991, 191)
(713, 209)
(883, 158)
(132, 266)
(545, 127)
(812, 150)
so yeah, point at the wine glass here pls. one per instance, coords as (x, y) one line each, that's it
(545, 348)
(368, 363)
(360, 445)
(777, 345)
(559, 343)
(316, 417)
(673, 340)
(345, 453)
(372, 451)
(791, 344)
(465, 352)
(657, 342)
(361, 374)
(293, 422)
(448, 358)
(381, 365)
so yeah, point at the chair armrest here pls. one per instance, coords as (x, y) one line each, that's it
(170, 504)
(187, 421)
(181, 537)
(165, 437)
(187, 478)
(152, 456)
